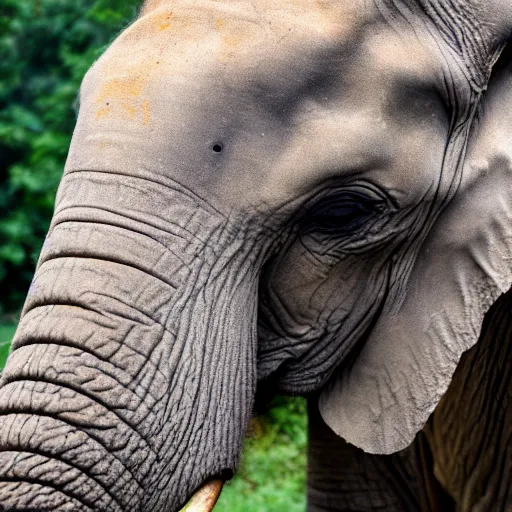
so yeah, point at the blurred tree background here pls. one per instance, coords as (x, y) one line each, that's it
(46, 46)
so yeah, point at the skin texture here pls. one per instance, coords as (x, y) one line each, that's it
(259, 193)
(461, 461)
(470, 431)
(342, 477)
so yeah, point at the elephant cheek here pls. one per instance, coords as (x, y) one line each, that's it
(132, 374)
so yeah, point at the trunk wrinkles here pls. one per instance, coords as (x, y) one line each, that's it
(133, 369)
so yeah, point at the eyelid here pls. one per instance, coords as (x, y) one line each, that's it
(365, 190)
(354, 201)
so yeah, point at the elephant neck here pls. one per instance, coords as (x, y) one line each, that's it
(471, 429)
(341, 475)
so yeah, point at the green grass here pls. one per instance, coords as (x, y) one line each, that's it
(6, 334)
(272, 473)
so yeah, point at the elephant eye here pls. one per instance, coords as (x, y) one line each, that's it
(345, 212)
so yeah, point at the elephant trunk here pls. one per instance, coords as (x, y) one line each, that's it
(132, 373)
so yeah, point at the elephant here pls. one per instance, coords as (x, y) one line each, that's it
(305, 198)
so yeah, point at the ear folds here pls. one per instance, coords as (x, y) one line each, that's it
(463, 266)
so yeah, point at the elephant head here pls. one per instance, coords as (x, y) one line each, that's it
(257, 194)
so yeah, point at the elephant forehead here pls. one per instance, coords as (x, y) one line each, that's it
(247, 42)
(334, 16)
(239, 38)
(297, 94)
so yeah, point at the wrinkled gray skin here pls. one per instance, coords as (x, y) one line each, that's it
(462, 459)
(311, 195)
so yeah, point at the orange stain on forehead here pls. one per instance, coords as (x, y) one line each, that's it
(163, 21)
(121, 88)
(123, 97)
(103, 112)
(130, 110)
(235, 37)
(146, 111)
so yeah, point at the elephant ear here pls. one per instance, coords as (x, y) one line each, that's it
(465, 263)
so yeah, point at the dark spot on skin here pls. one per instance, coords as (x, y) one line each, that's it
(217, 147)
(108, 103)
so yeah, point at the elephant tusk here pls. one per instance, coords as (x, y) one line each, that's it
(205, 498)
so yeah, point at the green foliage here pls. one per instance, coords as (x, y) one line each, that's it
(272, 473)
(6, 334)
(46, 46)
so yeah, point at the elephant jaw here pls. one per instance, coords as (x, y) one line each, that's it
(205, 498)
